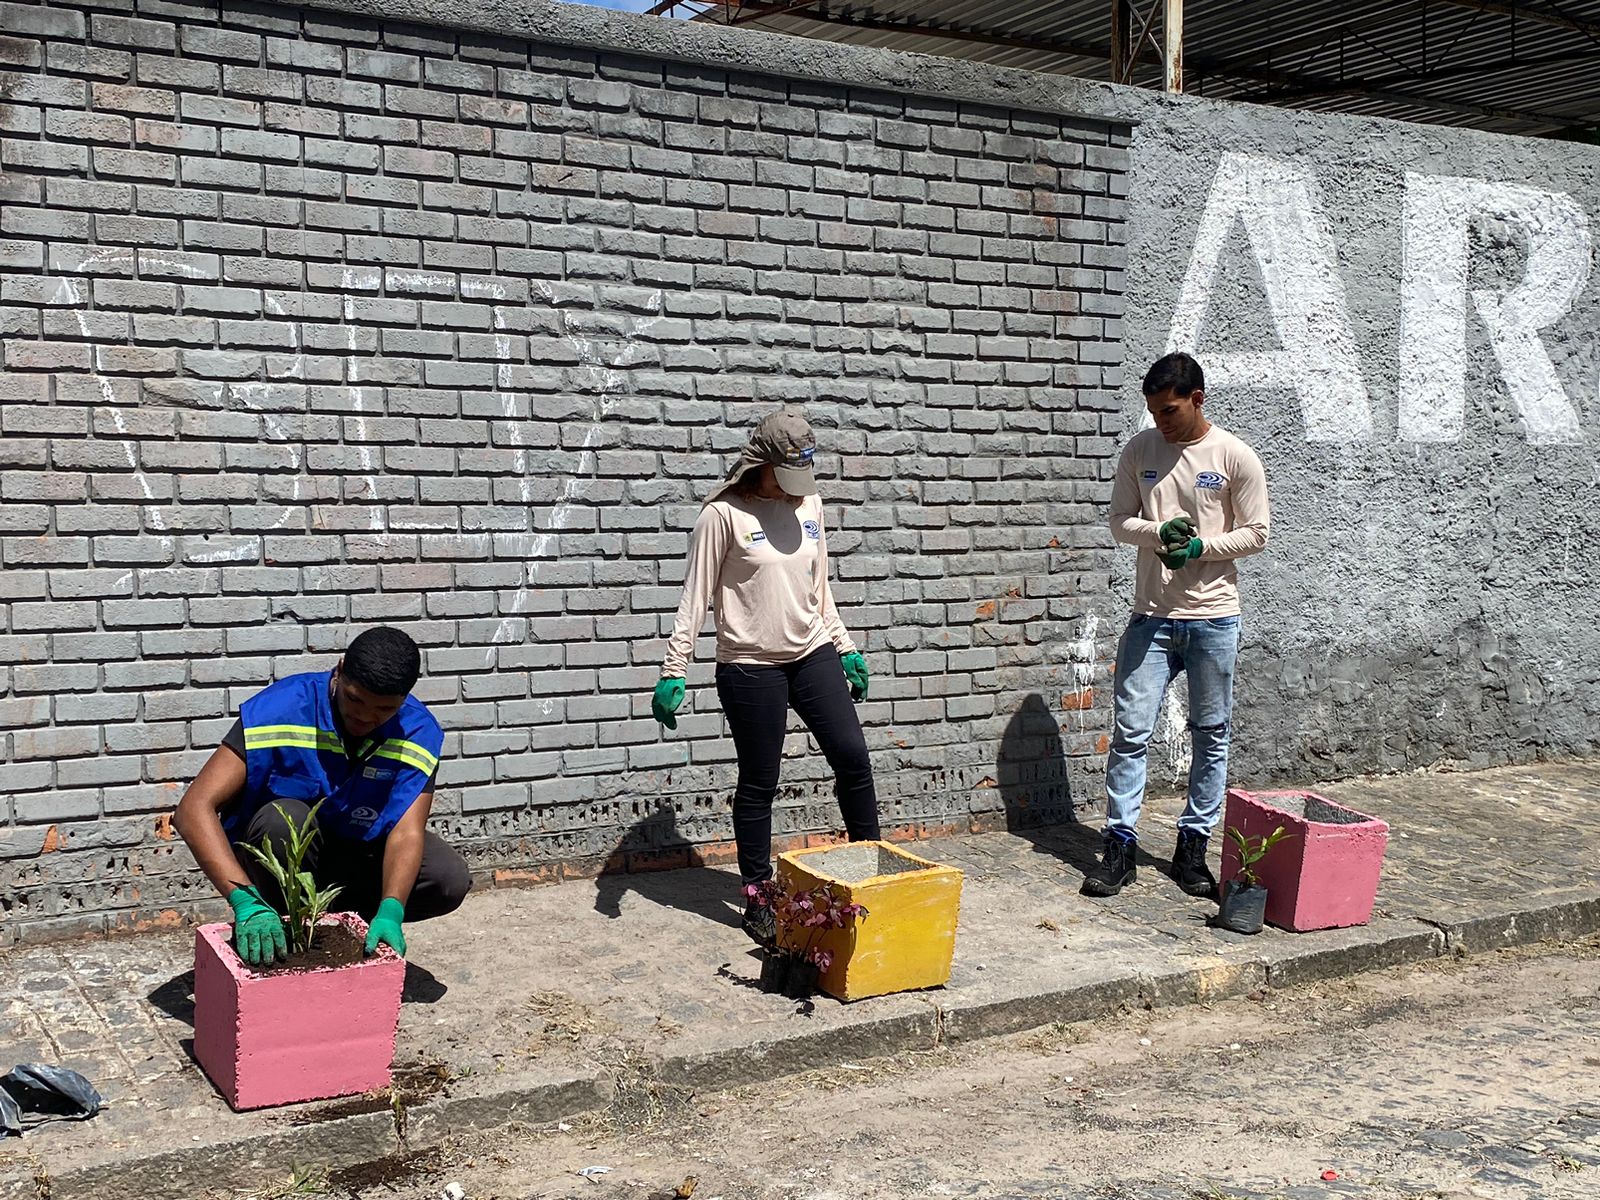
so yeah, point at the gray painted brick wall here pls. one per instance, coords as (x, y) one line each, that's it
(312, 322)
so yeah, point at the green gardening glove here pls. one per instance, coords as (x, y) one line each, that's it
(385, 927)
(669, 695)
(1177, 532)
(855, 670)
(1178, 557)
(257, 928)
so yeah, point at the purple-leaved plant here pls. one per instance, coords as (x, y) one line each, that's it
(809, 912)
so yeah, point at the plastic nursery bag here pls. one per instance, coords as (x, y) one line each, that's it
(34, 1093)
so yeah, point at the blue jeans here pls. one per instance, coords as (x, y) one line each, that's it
(1151, 653)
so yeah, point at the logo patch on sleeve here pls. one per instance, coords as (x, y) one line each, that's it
(1210, 481)
(755, 536)
(813, 530)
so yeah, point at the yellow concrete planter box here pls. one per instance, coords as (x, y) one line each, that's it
(907, 938)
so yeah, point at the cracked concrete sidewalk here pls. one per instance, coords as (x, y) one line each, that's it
(534, 1005)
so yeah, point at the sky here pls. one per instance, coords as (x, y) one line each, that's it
(622, 5)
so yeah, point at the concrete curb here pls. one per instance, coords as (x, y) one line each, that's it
(1020, 1013)
(349, 1141)
(1564, 920)
(264, 1160)
(1416, 942)
(762, 1059)
(429, 1123)
(188, 1172)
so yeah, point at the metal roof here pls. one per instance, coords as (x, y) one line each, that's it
(1527, 68)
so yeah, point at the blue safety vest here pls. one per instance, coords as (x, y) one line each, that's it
(293, 751)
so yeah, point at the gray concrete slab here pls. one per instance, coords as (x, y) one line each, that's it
(535, 1005)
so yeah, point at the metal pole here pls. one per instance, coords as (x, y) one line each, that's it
(1122, 58)
(1172, 50)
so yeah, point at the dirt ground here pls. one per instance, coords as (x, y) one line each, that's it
(1459, 1078)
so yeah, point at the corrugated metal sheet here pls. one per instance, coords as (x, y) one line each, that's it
(1452, 62)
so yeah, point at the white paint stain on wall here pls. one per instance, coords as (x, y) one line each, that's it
(1080, 656)
(609, 383)
(1172, 733)
(1280, 207)
(247, 392)
(606, 369)
(1439, 215)
(1080, 652)
(366, 452)
(68, 293)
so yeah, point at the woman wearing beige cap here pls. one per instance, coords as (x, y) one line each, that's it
(759, 556)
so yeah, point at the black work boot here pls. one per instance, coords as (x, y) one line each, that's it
(1189, 866)
(760, 924)
(1116, 869)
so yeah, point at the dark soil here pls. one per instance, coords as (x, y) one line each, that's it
(334, 946)
(417, 1082)
(412, 1083)
(397, 1168)
(338, 1110)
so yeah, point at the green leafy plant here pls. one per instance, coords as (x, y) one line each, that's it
(304, 905)
(1253, 849)
(304, 1180)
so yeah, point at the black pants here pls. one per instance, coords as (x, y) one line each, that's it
(443, 880)
(757, 701)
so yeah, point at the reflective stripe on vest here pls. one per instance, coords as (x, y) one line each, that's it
(293, 751)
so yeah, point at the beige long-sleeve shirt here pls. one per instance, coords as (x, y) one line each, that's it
(1219, 484)
(762, 565)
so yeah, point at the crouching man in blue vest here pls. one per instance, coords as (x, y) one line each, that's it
(357, 740)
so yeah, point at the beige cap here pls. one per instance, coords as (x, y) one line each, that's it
(785, 440)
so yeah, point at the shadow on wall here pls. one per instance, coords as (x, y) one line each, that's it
(1036, 788)
(706, 893)
(1032, 771)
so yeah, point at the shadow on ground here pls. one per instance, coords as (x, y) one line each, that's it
(1036, 788)
(705, 893)
(175, 997)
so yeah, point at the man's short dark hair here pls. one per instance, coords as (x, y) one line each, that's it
(385, 661)
(1177, 371)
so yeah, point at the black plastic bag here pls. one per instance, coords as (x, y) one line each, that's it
(46, 1093)
(10, 1116)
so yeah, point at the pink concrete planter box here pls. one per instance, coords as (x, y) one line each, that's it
(1325, 874)
(293, 1036)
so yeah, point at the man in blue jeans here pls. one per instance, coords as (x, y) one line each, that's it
(1193, 498)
